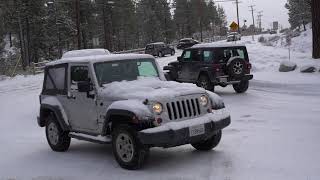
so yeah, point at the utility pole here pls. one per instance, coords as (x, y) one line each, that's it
(237, 4)
(77, 8)
(252, 10)
(260, 20)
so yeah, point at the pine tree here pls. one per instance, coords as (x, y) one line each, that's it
(316, 28)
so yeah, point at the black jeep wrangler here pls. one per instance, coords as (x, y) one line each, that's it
(159, 49)
(209, 65)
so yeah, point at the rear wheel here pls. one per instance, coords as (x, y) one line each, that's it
(205, 83)
(241, 87)
(127, 149)
(209, 143)
(57, 139)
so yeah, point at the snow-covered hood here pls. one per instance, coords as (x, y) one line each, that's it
(148, 88)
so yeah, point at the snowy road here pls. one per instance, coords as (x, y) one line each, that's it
(274, 135)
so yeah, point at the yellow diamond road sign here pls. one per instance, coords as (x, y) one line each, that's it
(234, 26)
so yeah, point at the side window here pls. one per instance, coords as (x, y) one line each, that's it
(241, 53)
(55, 81)
(78, 74)
(196, 55)
(147, 69)
(149, 47)
(187, 56)
(208, 56)
(227, 54)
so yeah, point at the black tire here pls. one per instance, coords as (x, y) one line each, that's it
(173, 52)
(210, 143)
(139, 153)
(205, 83)
(236, 68)
(58, 140)
(241, 87)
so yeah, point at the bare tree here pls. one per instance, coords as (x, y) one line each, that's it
(316, 28)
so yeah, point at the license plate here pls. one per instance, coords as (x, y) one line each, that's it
(196, 130)
(223, 80)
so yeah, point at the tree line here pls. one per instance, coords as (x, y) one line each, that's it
(44, 29)
(302, 12)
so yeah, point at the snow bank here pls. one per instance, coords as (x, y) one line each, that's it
(287, 66)
(308, 69)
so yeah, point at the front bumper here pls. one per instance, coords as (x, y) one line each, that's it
(177, 133)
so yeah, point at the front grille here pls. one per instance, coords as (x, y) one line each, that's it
(187, 108)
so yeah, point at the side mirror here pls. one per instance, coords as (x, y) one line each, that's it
(84, 86)
(179, 58)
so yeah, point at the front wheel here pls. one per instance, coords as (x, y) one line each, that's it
(241, 87)
(205, 83)
(57, 139)
(127, 149)
(208, 144)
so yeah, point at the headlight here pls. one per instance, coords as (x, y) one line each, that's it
(204, 100)
(157, 108)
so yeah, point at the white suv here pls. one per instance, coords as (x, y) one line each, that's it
(125, 100)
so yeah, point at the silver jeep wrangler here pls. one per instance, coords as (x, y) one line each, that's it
(124, 100)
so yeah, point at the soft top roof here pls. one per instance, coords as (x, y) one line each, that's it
(85, 52)
(100, 58)
(215, 45)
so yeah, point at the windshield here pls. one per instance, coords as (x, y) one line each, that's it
(127, 70)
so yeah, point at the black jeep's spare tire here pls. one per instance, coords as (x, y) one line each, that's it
(127, 149)
(236, 68)
(57, 139)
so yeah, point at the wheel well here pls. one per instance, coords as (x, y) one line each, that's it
(44, 113)
(203, 73)
(114, 120)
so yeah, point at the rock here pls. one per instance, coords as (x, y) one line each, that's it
(308, 69)
(287, 66)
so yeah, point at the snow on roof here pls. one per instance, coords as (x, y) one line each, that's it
(156, 43)
(215, 45)
(85, 52)
(100, 58)
(186, 39)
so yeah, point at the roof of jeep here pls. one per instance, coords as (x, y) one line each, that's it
(215, 45)
(100, 58)
(85, 52)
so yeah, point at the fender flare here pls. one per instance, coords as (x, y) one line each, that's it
(130, 118)
(208, 72)
(45, 108)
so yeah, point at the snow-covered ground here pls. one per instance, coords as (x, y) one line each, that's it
(274, 132)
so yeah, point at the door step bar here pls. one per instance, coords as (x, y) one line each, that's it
(94, 139)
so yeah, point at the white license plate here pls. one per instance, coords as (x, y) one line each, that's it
(196, 130)
(223, 80)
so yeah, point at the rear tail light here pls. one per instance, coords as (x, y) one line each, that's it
(217, 67)
(249, 66)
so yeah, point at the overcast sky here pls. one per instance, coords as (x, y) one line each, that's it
(273, 10)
